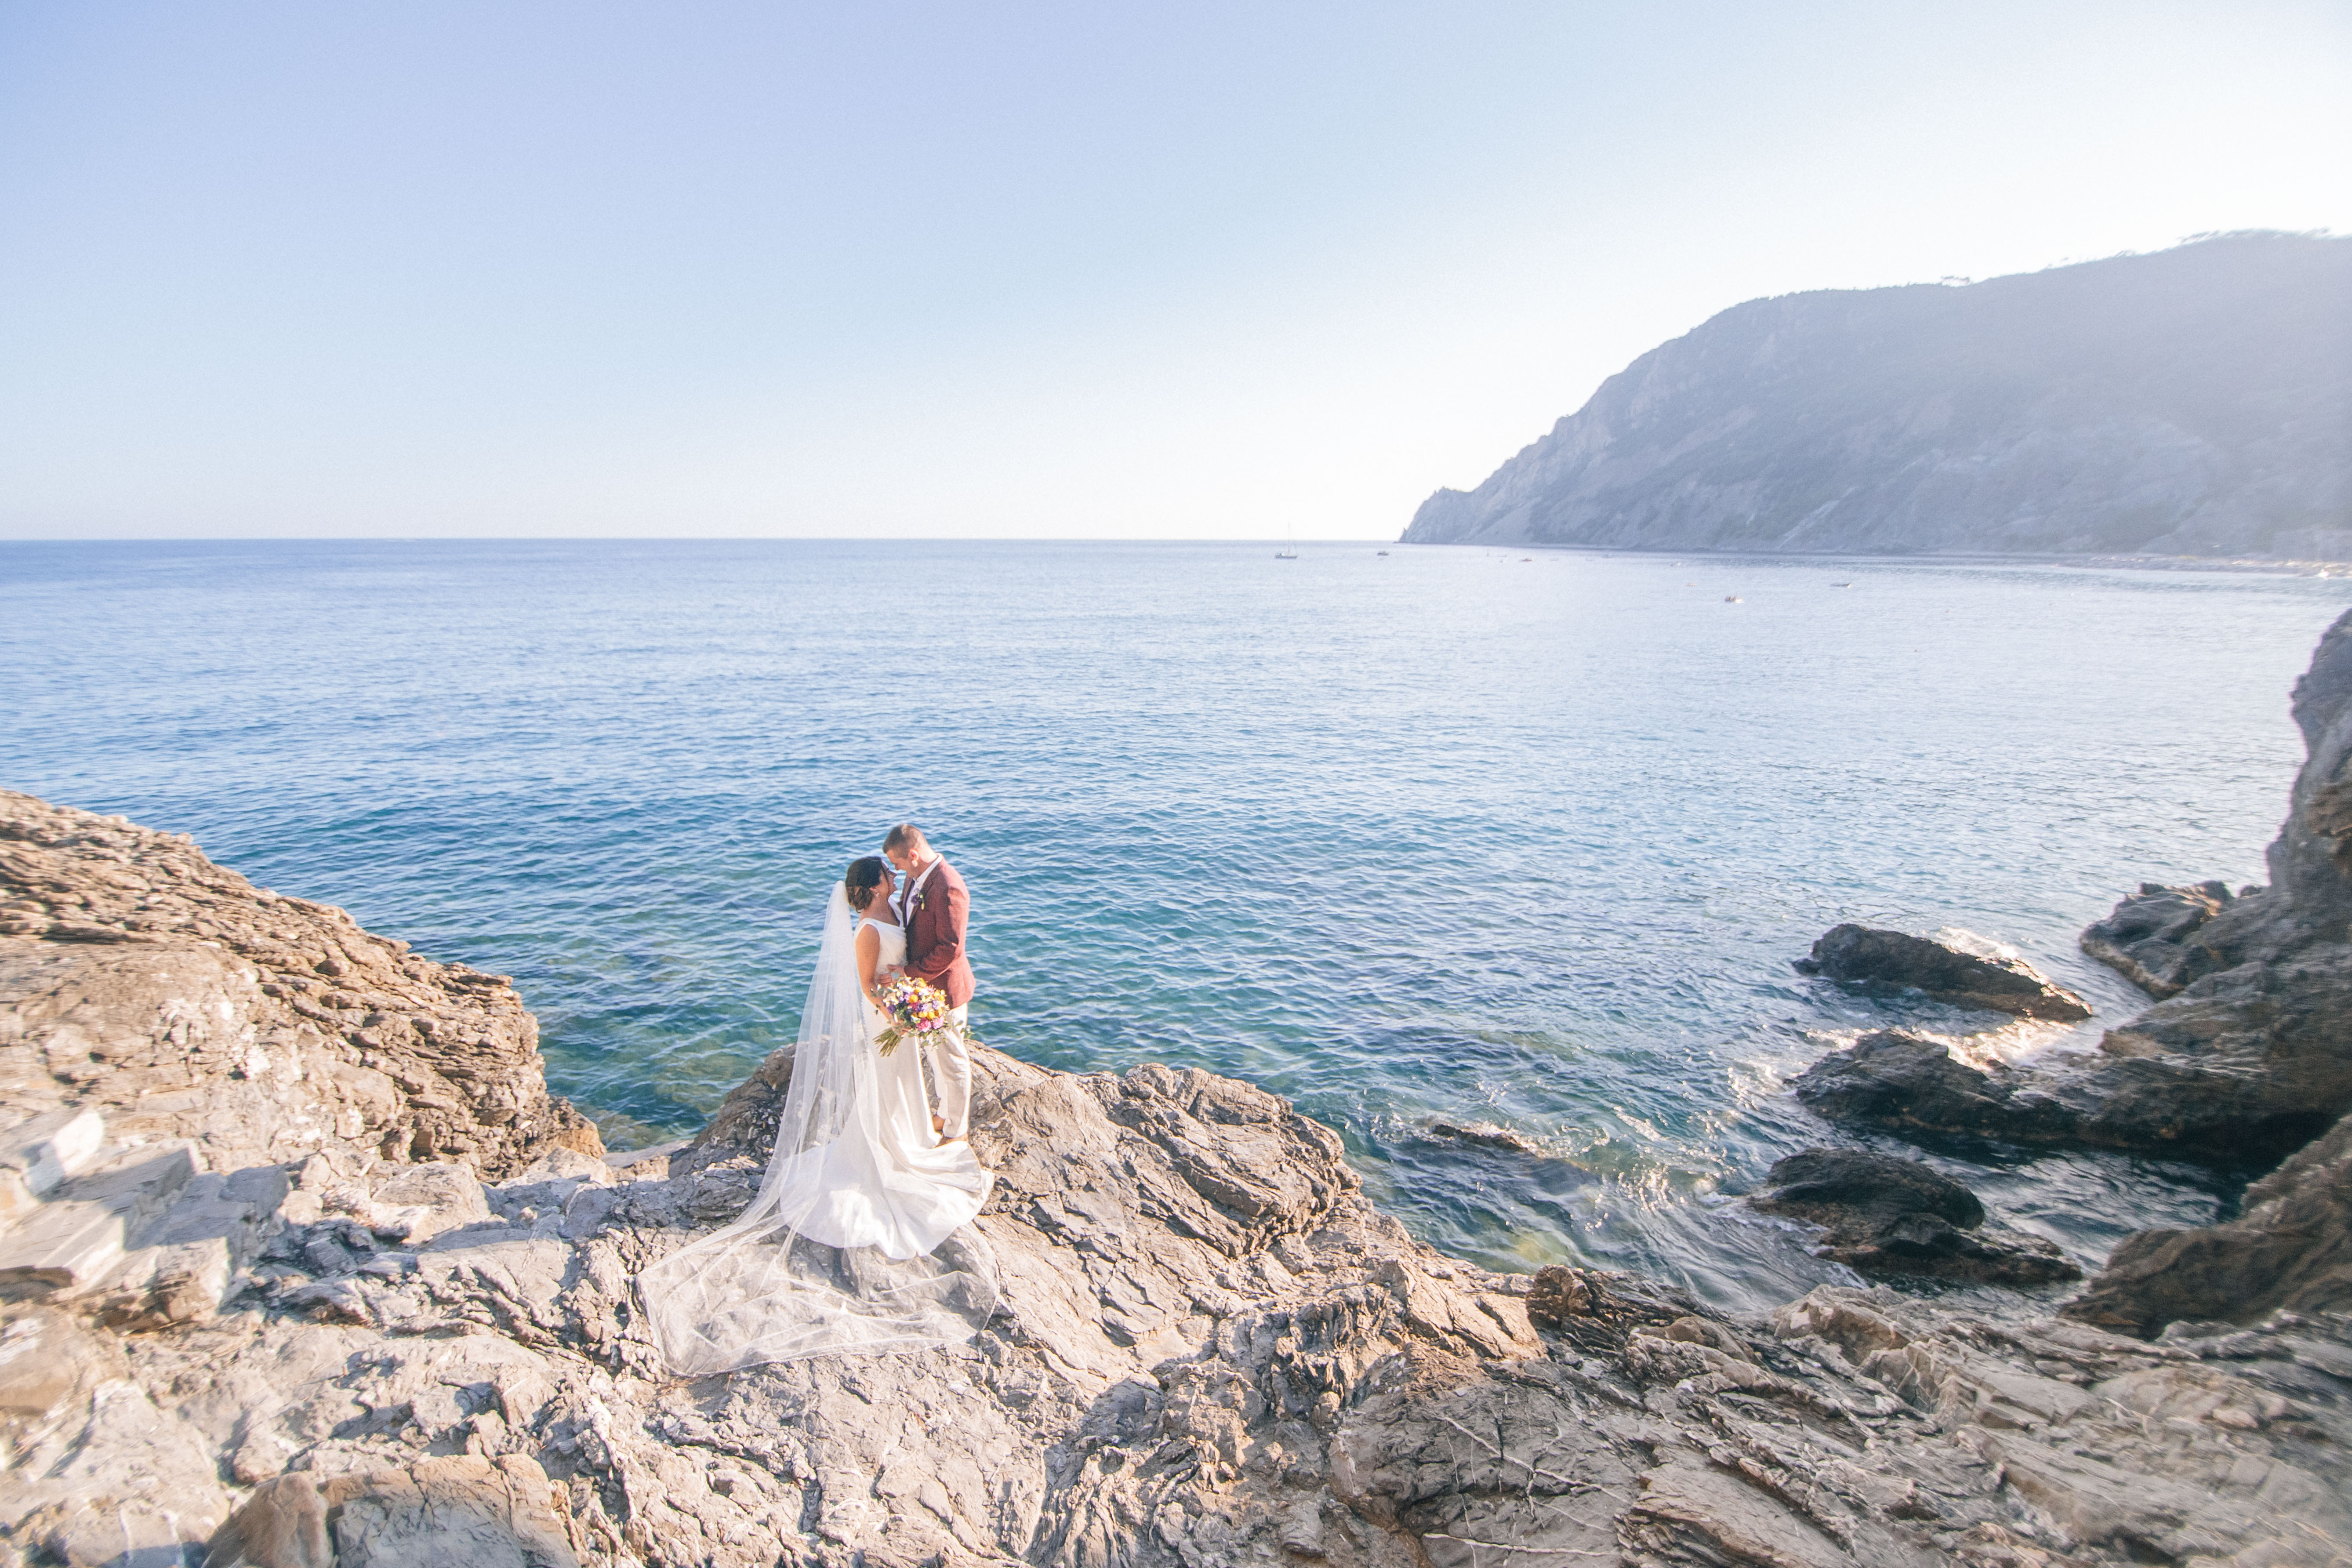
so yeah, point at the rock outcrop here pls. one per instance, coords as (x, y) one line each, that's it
(2289, 1249)
(1884, 1216)
(1897, 1081)
(2192, 402)
(1213, 1351)
(2151, 938)
(2247, 1059)
(139, 981)
(1870, 958)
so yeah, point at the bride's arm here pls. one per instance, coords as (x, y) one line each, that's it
(869, 948)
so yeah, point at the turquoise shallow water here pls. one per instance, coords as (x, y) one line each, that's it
(1443, 832)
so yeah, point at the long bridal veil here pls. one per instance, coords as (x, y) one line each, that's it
(856, 1240)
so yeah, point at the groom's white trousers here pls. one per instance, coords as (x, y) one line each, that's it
(951, 1076)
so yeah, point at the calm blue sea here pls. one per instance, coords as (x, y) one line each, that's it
(1402, 833)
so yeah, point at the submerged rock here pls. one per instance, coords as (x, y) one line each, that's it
(1484, 1135)
(1885, 1216)
(1867, 956)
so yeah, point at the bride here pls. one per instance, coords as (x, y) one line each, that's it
(859, 1239)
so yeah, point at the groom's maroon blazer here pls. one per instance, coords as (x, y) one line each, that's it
(935, 935)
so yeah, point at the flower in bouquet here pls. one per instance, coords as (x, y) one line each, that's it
(914, 1006)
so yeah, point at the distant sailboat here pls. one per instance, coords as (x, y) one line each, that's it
(1289, 551)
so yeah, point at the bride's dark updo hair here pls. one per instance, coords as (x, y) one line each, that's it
(866, 874)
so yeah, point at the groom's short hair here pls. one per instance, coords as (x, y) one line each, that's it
(903, 837)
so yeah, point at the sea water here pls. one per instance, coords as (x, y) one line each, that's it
(1411, 836)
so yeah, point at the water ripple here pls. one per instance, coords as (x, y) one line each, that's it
(1402, 837)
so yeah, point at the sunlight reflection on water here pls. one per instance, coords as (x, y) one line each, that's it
(1439, 833)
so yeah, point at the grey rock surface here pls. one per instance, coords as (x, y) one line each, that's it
(1870, 957)
(1897, 1082)
(1884, 1216)
(438, 1513)
(2190, 402)
(2151, 938)
(2289, 1249)
(1213, 1350)
(139, 981)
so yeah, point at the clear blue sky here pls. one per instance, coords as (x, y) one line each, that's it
(1036, 270)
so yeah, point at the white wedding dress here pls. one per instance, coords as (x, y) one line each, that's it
(860, 1239)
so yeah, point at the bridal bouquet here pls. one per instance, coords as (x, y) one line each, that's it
(915, 1007)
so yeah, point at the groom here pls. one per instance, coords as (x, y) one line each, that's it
(933, 905)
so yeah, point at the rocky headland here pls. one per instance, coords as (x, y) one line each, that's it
(302, 1266)
(2192, 402)
(2244, 1059)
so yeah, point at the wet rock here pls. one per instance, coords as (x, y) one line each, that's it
(2150, 937)
(1902, 1082)
(2252, 1057)
(2289, 1249)
(1485, 1135)
(1866, 957)
(1885, 1216)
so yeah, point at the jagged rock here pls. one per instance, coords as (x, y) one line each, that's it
(1904, 1083)
(47, 1360)
(2220, 1451)
(139, 981)
(95, 1469)
(1885, 1216)
(420, 1201)
(2249, 1059)
(745, 1121)
(1213, 1351)
(2149, 939)
(2289, 1248)
(1865, 956)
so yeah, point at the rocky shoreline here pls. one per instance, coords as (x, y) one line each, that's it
(300, 1264)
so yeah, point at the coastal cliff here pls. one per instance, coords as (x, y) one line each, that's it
(2193, 401)
(414, 1337)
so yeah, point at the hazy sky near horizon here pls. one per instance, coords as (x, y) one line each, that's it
(1217, 270)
